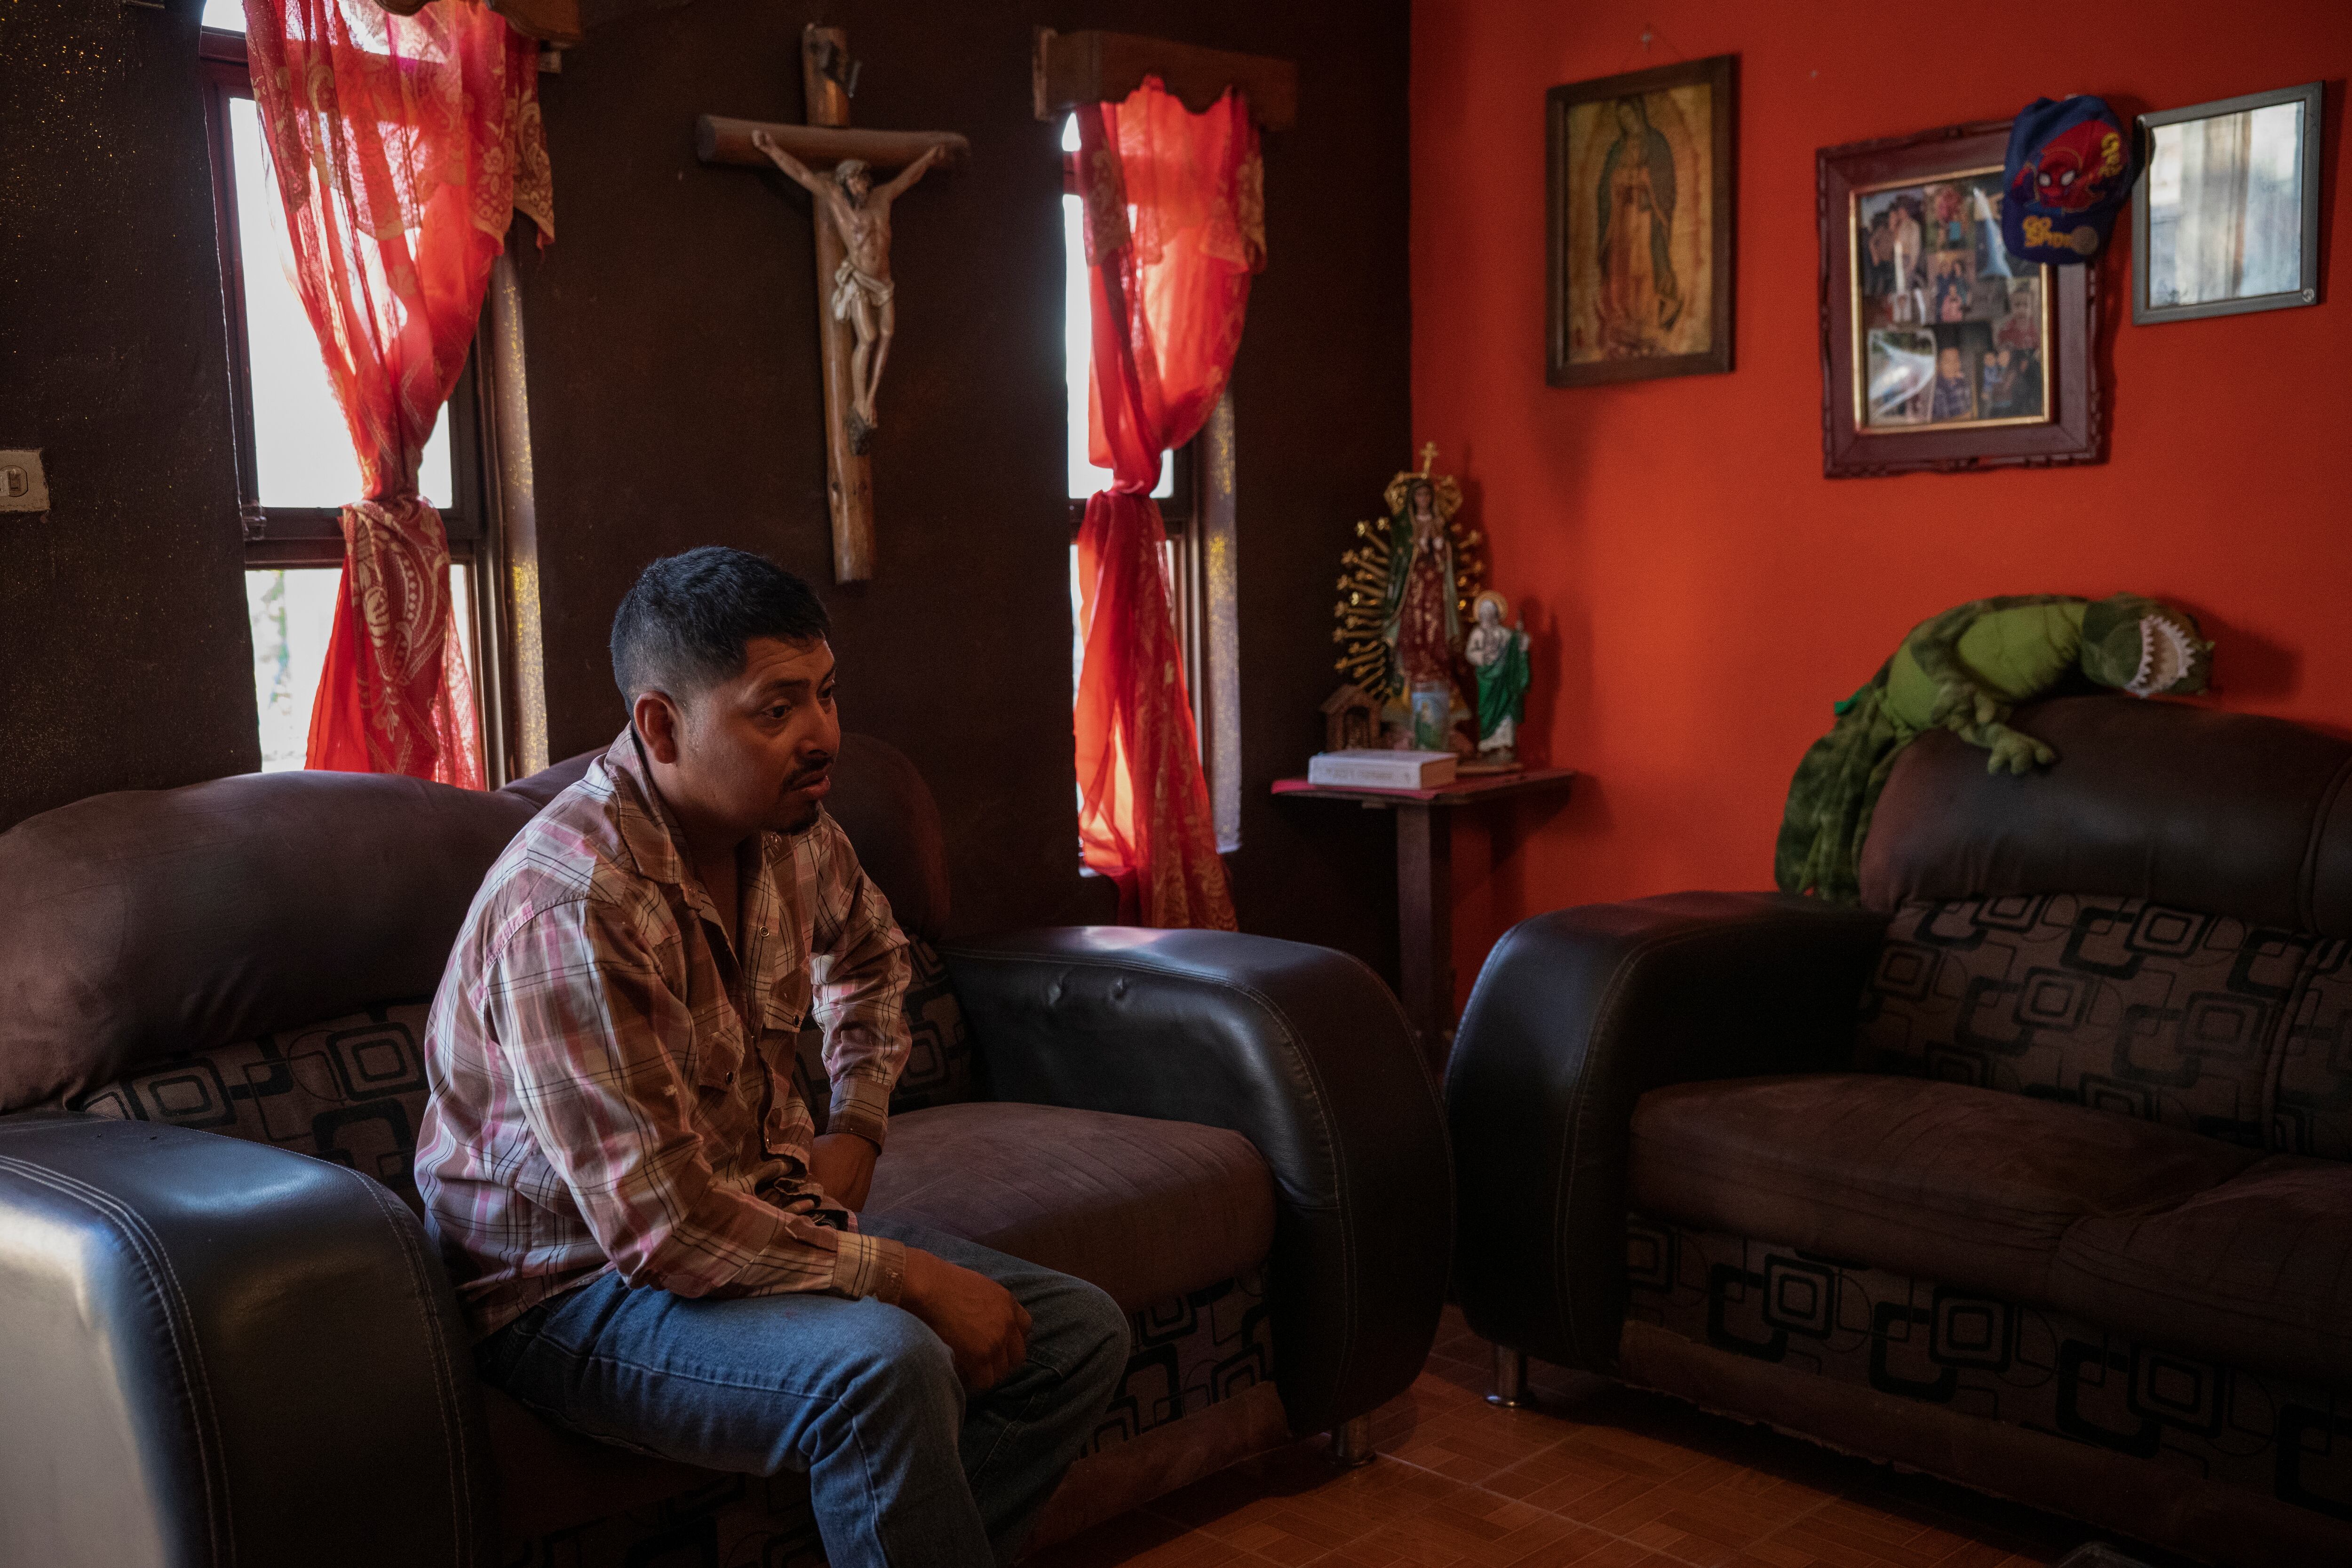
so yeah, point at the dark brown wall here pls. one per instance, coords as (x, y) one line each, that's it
(674, 402)
(125, 660)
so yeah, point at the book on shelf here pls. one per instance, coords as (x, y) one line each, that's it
(1365, 769)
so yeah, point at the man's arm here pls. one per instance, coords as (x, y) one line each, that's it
(586, 1024)
(860, 969)
(859, 962)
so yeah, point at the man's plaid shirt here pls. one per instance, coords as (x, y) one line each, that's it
(612, 1083)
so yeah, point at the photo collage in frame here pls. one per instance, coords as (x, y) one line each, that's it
(1950, 331)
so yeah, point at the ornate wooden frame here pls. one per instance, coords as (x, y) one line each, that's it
(2074, 432)
(1720, 75)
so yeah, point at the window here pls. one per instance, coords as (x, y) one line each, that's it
(1195, 496)
(1077, 339)
(294, 460)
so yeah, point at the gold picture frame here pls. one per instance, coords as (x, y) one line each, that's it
(2028, 383)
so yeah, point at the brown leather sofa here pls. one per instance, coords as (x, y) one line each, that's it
(242, 1348)
(2032, 1172)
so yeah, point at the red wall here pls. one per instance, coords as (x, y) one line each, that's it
(1699, 593)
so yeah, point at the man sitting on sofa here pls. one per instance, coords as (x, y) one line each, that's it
(654, 1249)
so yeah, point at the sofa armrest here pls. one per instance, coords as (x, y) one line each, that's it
(213, 1350)
(1298, 1048)
(1576, 1015)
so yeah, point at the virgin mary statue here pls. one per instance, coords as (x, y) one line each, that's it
(1423, 624)
(1403, 599)
(1422, 615)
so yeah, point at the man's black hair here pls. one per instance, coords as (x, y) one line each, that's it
(684, 626)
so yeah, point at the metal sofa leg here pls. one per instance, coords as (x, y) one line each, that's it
(1510, 1378)
(1351, 1443)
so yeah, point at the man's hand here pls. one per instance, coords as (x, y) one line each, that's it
(984, 1328)
(843, 1164)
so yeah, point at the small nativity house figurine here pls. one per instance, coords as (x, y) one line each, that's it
(1352, 720)
(1499, 654)
(1404, 597)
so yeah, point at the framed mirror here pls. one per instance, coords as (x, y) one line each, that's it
(2226, 217)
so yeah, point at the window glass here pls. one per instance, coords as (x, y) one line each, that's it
(303, 455)
(302, 448)
(1077, 343)
(226, 15)
(293, 614)
(292, 611)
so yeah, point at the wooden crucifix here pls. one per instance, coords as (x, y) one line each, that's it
(855, 312)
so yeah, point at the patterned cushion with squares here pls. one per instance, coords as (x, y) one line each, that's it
(2115, 1004)
(2311, 1112)
(939, 1067)
(350, 1091)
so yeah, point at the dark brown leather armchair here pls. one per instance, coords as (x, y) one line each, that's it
(2031, 1173)
(224, 1335)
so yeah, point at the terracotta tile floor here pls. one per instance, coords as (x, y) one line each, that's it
(1600, 1477)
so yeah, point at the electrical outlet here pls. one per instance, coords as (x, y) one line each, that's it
(22, 487)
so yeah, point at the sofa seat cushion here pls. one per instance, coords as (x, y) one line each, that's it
(2257, 1271)
(1969, 1186)
(1144, 1208)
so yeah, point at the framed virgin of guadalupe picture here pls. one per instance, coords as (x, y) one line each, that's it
(1940, 350)
(1638, 172)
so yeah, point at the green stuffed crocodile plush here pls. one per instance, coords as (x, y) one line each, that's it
(1964, 670)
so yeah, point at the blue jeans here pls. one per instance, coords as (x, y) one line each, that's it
(903, 1467)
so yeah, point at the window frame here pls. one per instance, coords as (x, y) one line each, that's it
(1179, 509)
(299, 538)
(1180, 514)
(284, 536)
(1198, 514)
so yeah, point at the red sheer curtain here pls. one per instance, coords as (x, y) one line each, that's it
(1175, 227)
(400, 147)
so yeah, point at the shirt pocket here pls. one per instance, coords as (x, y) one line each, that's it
(717, 1056)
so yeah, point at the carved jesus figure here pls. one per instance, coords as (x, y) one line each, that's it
(859, 212)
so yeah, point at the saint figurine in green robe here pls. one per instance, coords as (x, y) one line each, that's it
(1499, 654)
(1964, 670)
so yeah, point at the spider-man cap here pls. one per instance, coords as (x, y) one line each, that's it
(2068, 171)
